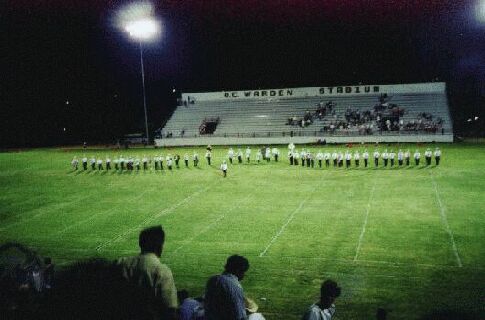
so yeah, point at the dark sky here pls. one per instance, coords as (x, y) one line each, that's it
(57, 51)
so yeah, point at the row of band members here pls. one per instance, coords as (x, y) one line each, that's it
(294, 157)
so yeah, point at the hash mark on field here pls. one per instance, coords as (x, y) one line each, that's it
(283, 227)
(444, 219)
(207, 228)
(150, 219)
(361, 237)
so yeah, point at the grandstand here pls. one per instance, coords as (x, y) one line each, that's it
(364, 113)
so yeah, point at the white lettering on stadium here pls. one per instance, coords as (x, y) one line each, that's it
(259, 93)
(348, 89)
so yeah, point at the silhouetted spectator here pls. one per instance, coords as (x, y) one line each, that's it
(190, 308)
(96, 289)
(224, 295)
(325, 308)
(147, 271)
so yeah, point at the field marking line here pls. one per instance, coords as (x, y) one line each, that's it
(150, 219)
(108, 213)
(444, 219)
(30, 218)
(364, 226)
(208, 227)
(283, 227)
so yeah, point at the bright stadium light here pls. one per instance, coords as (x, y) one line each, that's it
(139, 21)
(144, 29)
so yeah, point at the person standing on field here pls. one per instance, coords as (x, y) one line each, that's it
(224, 168)
(208, 156)
(437, 156)
(417, 157)
(365, 155)
(376, 158)
(428, 154)
(407, 156)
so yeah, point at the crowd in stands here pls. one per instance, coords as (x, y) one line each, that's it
(308, 118)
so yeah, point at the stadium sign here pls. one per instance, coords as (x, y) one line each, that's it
(335, 91)
(259, 93)
(348, 90)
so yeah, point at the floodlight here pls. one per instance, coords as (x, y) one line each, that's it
(144, 29)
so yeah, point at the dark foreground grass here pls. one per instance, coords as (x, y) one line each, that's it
(410, 240)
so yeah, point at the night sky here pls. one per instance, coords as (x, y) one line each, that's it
(66, 64)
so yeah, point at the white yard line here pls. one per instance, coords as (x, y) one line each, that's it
(283, 227)
(149, 220)
(361, 237)
(444, 219)
(105, 213)
(207, 228)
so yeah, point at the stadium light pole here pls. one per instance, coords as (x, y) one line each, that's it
(143, 30)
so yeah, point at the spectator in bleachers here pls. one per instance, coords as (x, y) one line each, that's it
(224, 295)
(325, 308)
(146, 271)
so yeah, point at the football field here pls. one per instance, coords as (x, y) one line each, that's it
(410, 240)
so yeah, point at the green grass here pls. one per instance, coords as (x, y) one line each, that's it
(298, 226)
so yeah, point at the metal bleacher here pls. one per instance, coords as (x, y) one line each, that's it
(268, 117)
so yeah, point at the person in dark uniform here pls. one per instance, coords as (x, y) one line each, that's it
(155, 160)
(122, 163)
(145, 162)
(160, 158)
(116, 161)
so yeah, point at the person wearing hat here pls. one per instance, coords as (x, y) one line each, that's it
(437, 156)
(224, 168)
(325, 308)
(252, 310)
(224, 295)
